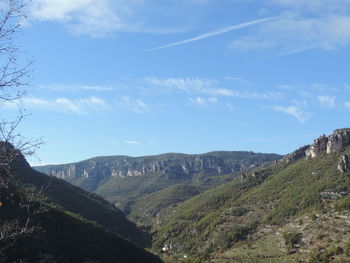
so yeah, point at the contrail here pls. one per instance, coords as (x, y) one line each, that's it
(214, 33)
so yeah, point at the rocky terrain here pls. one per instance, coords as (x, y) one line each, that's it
(296, 210)
(338, 140)
(174, 164)
(145, 187)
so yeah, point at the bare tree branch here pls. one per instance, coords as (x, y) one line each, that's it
(14, 80)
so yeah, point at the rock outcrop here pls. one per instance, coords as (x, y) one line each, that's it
(173, 165)
(338, 140)
(344, 163)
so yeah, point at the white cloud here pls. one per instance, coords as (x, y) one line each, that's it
(135, 105)
(132, 142)
(203, 101)
(302, 25)
(95, 18)
(318, 6)
(214, 33)
(327, 101)
(75, 88)
(242, 94)
(186, 84)
(208, 87)
(76, 106)
(300, 115)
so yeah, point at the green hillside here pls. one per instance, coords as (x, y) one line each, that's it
(81, 202)
(34, 228)
(259, 216)
(144, 187)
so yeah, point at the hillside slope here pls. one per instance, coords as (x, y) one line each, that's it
(33, 228)
(81, 202)
(275, 214)
(128, 181)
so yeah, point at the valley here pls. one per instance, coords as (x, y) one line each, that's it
(270, 209)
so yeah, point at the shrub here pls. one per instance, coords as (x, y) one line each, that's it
(291, 238)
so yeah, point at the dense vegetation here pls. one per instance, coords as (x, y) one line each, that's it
(81, 202)
(177, 177)
(43, 219)
(227, 217)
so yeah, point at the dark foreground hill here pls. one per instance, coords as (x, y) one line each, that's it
(297, 210)
(44, 219)
(145, 187)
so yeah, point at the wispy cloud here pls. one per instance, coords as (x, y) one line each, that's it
(185, 84)
(242, 94)
(209, 87)
(214, 33)
(132, 142)
(136, 105)
(301, 25)
(327, 101)
(203, 101)
(102, 18)
(75, 88)
(75, 106)
(94, 18)
(300, 115)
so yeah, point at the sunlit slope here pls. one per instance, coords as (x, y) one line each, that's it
(145, 186)
(229, 214)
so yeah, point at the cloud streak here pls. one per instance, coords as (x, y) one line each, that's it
(209, 87)
(136, 105)
(214, 33)
(132, 142)
(302, 25)
(300, 115)
(203, 101)
(75, 106)
(327, 101)
(75, 88)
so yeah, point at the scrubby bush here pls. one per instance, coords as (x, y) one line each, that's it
(291, 238)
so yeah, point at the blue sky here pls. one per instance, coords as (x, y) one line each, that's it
(142, 77)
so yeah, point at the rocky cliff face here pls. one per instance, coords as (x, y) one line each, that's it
(325, 144)
(170, 164)
(344, 163)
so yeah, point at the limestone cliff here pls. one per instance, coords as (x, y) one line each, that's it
(325, 144)
(166, 164)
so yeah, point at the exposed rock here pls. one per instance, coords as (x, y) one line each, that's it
(338, 140)
(323, 145)
(318, 147)
(170, 165)
(296, 155)
(344, 163)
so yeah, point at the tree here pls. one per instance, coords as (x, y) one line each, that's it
(17, 209)
(14, 79)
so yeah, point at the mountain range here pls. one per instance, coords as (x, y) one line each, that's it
(215, 207)
(143, 187)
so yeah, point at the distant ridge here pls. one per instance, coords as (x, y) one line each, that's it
(129, 181)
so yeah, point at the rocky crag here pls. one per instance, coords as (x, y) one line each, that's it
(167, 164)
(338, 140)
